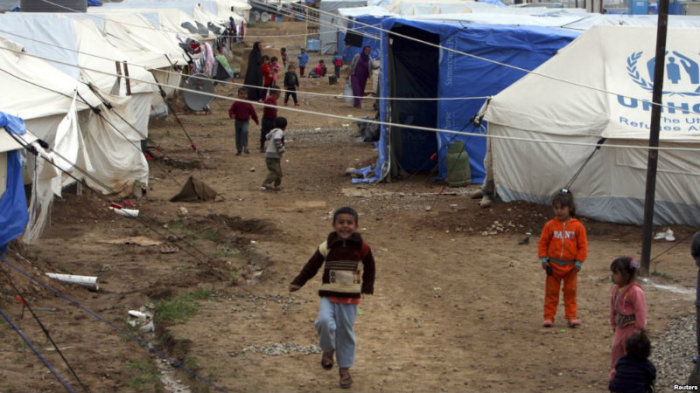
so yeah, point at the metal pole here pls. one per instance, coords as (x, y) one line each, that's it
(653, 159)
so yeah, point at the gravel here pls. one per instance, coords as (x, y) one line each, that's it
(672, 354)
(276, 349)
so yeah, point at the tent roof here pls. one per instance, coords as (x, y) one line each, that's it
(371, 10)
(609, 69)
(591, 20)
(82, 36)
(542, 34)
(145, 43)
(37, 89)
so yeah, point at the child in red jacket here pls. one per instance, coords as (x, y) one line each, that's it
(563, 249)
(266, 69)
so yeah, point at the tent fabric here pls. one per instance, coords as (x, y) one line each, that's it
(371, 36)
(13, 205)
(463, 76)
(139, 37)
(331, 22)
(611, 186)
(77, 36)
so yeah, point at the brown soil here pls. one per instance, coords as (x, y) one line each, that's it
(455, 308)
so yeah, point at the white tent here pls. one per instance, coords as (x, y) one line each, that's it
(78, 49)
(223, 9)
(331, 22)
(136, 35)
(55, 107)
(610, 73)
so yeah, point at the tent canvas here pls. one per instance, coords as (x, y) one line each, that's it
(413, 69)
(365, 21)
(611, 186)
(106, 133)
(331, 22)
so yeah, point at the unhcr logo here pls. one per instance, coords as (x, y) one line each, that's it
(681, 75)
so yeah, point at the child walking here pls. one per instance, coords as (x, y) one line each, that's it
(628, 310)
(269, 115)
(275, 68)
(242, 112)
(634, 373)
(337, 63)
(562, 250)
(273, 157)
(283, 54)
(291, 82)
(266, 69)
(303, 59)
(342, 286)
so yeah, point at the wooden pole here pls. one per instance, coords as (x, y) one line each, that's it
(653, 158)
(127, 79)
(119, 75)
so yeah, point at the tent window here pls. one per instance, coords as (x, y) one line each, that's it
(3, 173)
(414, 71)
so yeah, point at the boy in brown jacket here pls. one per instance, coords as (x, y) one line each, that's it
(342, 286)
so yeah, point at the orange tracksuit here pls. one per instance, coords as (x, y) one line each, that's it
(563, 245)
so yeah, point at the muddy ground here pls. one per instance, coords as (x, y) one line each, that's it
(455, 308)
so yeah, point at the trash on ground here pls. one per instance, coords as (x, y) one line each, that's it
(86, 281)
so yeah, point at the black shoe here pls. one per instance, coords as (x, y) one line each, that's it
(238, 153)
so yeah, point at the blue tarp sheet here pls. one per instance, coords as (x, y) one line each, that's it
(463, 76)
(359, 25)
(13, 205)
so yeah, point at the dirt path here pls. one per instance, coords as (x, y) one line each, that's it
(453, 310)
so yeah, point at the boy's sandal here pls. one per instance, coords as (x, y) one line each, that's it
(574, 323)
(327, 360)
(345, 379)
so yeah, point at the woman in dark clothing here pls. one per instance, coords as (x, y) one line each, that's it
(253, 74)
(360, 70)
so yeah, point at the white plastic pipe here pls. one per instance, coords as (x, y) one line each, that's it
(87, 281)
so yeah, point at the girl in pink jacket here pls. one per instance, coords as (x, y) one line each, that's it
(628, 310)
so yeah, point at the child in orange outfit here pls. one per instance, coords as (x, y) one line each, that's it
(563, 249)
(628, 310)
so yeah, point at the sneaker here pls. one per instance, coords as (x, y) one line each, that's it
(277, 188)
(296, 104)
(246, 151)
(265, 187)
(547, 323)
(574, 323)
(238, 153)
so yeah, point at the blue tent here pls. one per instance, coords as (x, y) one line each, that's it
(413, 69)
(359, 26)
(13, 205)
